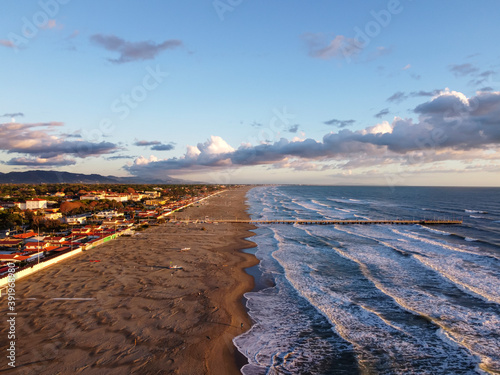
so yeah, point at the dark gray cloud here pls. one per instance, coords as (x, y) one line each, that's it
(450, 123)
(80, 149)
(339, 123)
(17, 114)
(425, 93)
(401, 96)
(71, 135)
(147, 143)
(119, 157)
(293, 128)
(397, 97)
(163, 147)
(40, 162)
(449, 104)
(461, 70)
(133, 51)
(155, 145)
(382, 113)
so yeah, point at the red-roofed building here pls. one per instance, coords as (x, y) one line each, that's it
(79, 231)
(36, 246)
(17, 257)
(55, 240)
(24, 236)
(51, 248)
(10, 243)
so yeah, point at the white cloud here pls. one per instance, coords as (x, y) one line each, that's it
(214, 146)
(382, 128)
(141, 160)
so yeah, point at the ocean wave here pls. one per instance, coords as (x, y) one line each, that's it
(362, 217)
(367, 325)
(319, 203)
(470, 325)
(344, 210)
(347, 201)
(397, 299)
(443, 233)
(476, 212)
(282, 351)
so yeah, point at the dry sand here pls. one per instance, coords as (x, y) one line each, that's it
(141, 317)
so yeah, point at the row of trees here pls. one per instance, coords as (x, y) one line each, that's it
(30, 191)
(14, 219)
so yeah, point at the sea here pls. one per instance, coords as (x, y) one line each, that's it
(374, 299)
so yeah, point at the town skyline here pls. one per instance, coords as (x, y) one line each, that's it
(386, 93)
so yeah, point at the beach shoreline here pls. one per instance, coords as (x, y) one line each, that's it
(121, 308)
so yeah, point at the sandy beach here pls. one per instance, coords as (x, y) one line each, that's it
(119, 309)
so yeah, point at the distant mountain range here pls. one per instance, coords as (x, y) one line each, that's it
(56, 177)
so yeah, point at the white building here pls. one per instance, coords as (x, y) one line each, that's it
(74, 220)
(32, 204)
(108, 214)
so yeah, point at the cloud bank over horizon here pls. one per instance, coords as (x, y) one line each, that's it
(450, 126)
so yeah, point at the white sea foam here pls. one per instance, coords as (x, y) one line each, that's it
(362, 217)
(443, 233)
(347, 201)
(370, 282)
(365, 327)
(343, 210)
(469, 239)
(319, 203)
(455, 319)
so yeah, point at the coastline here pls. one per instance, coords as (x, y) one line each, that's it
(222, 356)
(119, 308)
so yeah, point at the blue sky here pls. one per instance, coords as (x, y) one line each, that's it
(238, 91)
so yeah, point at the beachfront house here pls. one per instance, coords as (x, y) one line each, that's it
(36, 246)
(13, 258)
(10, 244)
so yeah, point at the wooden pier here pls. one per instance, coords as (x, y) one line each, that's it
(342, 222)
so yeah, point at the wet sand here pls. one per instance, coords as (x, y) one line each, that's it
(138, 315)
